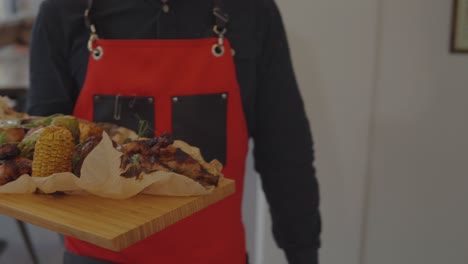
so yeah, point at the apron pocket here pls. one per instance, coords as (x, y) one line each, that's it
(200, 120)
(126, 111)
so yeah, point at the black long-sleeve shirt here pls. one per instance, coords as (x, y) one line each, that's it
(272, 103)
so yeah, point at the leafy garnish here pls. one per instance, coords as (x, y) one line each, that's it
(46, 120)
(136, 159)
(3, 137)
(143, 126)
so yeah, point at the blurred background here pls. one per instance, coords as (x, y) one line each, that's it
(387, 102)
(16, 18)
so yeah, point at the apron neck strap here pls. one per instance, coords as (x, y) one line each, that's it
(221, 18)
(87, 17)
(220, 23)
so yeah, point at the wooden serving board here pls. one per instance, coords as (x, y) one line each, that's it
(112, 224)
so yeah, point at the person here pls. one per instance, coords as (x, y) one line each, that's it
(214, 73)
(3, 245)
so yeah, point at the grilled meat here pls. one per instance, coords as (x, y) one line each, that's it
(147, 146)
(12, 169)
(33, 130)
(118, 134)
(6, 113)
(138, 147)
(183, 163)
(12, 134)
(136, 164)
(158, 154)
(20, 165)
(3, 179)
(88, 129)
(8, 151)
(5, 174)
(80, 152)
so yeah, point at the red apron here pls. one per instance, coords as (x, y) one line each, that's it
(171, 76)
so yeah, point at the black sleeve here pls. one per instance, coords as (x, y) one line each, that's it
(283, 150)
(51, 85)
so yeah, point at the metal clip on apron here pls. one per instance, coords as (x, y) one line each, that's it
(188, 88)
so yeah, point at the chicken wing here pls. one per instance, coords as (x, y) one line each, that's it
(8, 151)
(158, 154)
(80, 152)
(12, 169)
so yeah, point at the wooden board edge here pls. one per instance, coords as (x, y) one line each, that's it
(122, 242)
(30, 218)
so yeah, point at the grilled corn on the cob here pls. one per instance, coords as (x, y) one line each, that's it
(53, 152)
(88, 129)
(71, 123)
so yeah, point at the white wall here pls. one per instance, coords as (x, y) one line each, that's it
(333, 48)
(388, 106)
(419, 175)
(4, 10)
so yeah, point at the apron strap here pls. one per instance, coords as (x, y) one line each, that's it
(221, 18)
(220, 28)
(96, 51)
(87, 16)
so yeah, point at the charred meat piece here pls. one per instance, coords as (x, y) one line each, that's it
(118, 134)
(4, 179)
(33, 130)
(80, 152)
(138, 158)
(88, 129)
(133, 171)
(131, 165)
(20, 166)
(184, 164)
(7, 113)
(136, 164)
(12, 134)
(138, 147)
(153, 163)
(12, 169)
(24, 166)
(158, 154)
(8, 151)
(165, 140)
(147, 146)
(5, 174)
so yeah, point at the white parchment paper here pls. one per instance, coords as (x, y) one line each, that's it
(100, 175)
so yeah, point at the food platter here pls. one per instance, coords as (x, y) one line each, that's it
(101, 183)
(109, 223)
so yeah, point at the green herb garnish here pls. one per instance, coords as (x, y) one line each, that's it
(136, 159)
(143, 126)
(3, 137)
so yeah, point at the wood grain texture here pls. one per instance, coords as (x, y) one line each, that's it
(112, 224)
